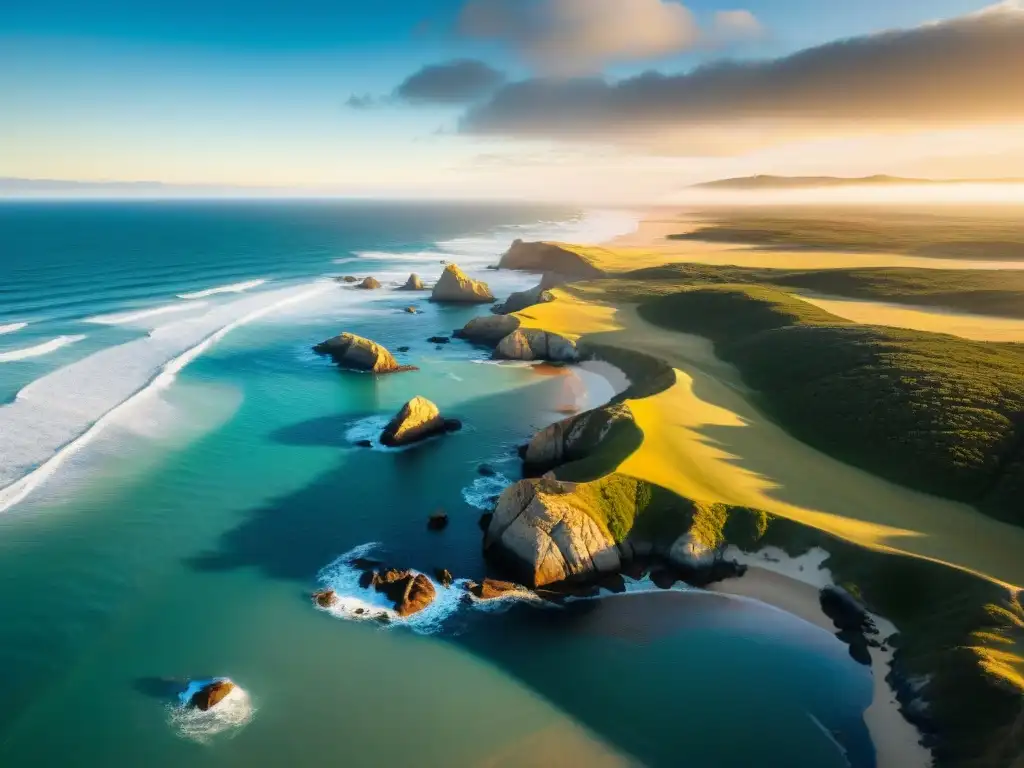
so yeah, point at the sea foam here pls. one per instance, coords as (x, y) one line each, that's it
(57, 415)
(230, 713)
(39, 349)
(124, 318)
(233, 288)
(11, 327)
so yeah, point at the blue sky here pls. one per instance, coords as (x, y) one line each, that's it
(217, 91)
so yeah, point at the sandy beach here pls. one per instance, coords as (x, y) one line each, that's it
(792, 585)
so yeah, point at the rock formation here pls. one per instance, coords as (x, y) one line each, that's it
(417, 420)
(351, 351)
(548, 257)
(347, 279)
(437, 521)
(491, 589)
(325, 598)
(533, 344)
(455, 286)
(410, 592)
(413, 284)
(539, 294)
(546, 534)
(211, 695)
(444, 577)
(369, 284)
(577, 437)
(489, 329)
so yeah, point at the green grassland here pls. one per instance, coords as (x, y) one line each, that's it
(994, 232)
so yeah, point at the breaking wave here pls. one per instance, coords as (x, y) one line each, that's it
(124, 318)
(231, 713)
(11, 327)
(57, 415)
(233, 288)
(39, 349)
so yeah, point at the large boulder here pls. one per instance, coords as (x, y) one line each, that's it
(489, 329)
(413, 284)
(369, 284)
(534, 344)
(417, 420)
(211, 695)
(351, 351)
(545, 257)
(410, 592)
(455, 286)
(579, 436)
(544, 531)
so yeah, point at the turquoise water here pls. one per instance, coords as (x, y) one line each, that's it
(181, 541)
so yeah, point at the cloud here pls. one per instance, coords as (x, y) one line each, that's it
(462, 81)
(361, 101)
(572, 37)
(962, 71)
(735, 27)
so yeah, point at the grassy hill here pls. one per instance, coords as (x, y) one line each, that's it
(990, 233)
(999, 293)
(932, 412)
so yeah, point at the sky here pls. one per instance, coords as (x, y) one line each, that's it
(563, 99)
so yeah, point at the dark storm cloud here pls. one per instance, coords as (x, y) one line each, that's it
(463, 81)
(964, 71)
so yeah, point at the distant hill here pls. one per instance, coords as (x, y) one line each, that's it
(798, 182)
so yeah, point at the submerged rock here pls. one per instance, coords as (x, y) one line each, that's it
(534, 344)
(211, 695)
(411, 310)
(369, 284)
(455, 286)
(438, 521)
(489, 329)
(351, 351)
(545, 532)
(417, 420)
(347, 279)
(413, 284)
(439, 340)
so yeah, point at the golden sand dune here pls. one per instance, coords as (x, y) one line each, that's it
(964, 325)
(704, 439)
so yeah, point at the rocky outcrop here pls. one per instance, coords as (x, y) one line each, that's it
(410, 592)
(456, 287)
(534, 344)
(522, 299)
(548, 257)
(492, 589)
(577, 437)
(369, 284)
(325, 598)
(211, 695)
(347, 279)
(488, 330)
(351, 351)
(417, 420)
(444, 577)
(544, 532)
(413, 284)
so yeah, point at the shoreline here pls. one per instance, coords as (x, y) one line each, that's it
(793, 584)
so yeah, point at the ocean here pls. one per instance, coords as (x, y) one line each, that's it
(178, 473)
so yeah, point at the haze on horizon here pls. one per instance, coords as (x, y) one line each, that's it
(618, 101)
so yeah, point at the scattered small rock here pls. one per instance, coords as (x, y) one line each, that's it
(439, 339)
(411, 310)
(363, 443)
(486, 470)
(401, 349)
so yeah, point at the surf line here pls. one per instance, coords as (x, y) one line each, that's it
(21, 488)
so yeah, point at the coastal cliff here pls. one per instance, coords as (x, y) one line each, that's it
(548, 257)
